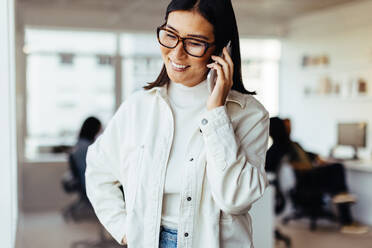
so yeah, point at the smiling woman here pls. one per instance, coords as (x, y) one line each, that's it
(186, 63)
(213, 20)
(190, 158)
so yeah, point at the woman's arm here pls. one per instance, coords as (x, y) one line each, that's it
(236, 159)
(102, 182)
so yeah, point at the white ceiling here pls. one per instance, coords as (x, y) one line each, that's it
(255, 17)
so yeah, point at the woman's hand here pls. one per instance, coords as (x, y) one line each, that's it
(225, 68)
(124, 240)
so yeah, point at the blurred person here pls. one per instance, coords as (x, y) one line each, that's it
(89, 131)
(190, 159)
(317, 174)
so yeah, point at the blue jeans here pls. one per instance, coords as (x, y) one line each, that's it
(168, 238)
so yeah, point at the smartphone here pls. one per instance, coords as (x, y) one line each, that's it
(212, 74)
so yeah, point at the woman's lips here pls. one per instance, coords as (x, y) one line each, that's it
(178, 67)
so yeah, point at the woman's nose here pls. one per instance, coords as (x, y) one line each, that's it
(178, 51)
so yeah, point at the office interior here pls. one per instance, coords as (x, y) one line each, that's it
(309, 61)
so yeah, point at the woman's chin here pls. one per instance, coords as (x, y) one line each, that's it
(184, 79)
(177, 78)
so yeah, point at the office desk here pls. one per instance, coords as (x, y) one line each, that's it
(359, 179)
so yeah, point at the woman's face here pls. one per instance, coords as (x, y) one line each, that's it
(182, 67)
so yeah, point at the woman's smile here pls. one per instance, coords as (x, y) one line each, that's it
(178, 67)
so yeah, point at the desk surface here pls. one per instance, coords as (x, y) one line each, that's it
(361, 165)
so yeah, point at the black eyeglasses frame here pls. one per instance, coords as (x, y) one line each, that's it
(207, 45)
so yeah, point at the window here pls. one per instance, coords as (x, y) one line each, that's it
(68, 79)
(74, 74)
(141, 61)
(260, 70)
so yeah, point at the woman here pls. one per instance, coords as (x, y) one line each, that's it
(191, 162)
(280, 146)
(313, 173)
(87, 135)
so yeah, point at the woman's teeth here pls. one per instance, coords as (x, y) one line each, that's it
(178, 66)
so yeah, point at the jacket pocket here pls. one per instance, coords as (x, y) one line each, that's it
(134, 176)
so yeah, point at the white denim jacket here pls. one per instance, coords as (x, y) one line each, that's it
(223, 171)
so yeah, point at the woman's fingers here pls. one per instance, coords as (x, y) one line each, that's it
(124, 240)
(224, 68)
(227, 57)
(218, 68)
(224, 64)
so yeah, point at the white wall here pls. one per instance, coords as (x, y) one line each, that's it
(8, 165)
(344, 34)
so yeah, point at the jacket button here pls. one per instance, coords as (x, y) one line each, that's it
(191, 159)
(204, 121)
(200, 131)
(189, 198)
(186, 234)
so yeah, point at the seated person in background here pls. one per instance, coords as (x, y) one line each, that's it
(319, 169)
(317, 174)
(88, 133)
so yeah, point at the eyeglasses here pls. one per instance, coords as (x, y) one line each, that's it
(192, 46)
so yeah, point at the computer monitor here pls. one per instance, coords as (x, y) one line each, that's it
(352, 134)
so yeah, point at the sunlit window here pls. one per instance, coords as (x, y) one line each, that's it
(141, 61)
(69, 77)
(74, 74)
(260, 70)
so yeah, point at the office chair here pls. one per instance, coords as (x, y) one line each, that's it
(71, 183)
(279, 207)
(307, 202)
(82, 210)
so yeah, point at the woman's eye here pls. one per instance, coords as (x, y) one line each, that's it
(171, 36)
(195, 44)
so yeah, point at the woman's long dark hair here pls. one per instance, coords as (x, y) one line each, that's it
(90, 129)
(221, 15)
(278, 131)
(280, 147)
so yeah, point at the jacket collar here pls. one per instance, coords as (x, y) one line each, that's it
(234, 96)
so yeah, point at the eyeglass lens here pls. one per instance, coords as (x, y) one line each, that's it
(192, 46)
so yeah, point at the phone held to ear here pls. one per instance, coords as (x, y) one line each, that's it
(212, 74)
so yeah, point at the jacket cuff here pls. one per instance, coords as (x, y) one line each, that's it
(218, 133)
(119, 231)
(213, 119)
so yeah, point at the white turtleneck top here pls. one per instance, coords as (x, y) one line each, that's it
(187, 104)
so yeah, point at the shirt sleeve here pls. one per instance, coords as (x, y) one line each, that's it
(236, 158)
(102, 182)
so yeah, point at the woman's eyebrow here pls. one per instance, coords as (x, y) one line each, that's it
(198, 36)
(169, 26)
(191, 35)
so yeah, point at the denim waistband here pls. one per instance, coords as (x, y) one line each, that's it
(168, 238)
(168, 230)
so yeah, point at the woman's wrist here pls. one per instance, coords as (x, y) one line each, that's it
(214, 106)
